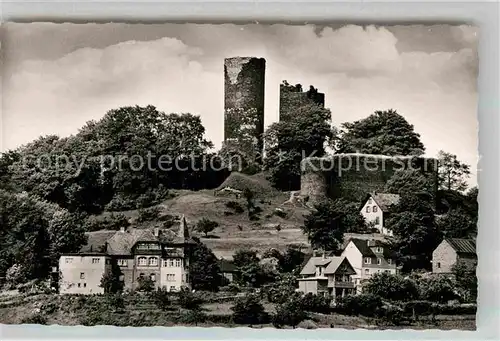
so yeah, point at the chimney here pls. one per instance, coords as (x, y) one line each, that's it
(323, 256)
(156, 231)
(122, 229)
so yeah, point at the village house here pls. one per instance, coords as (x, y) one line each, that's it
(453, 250)
(375, 210)
(327, 276)
(368, 256)
(159, 254)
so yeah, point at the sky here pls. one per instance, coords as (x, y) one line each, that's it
(56, 77)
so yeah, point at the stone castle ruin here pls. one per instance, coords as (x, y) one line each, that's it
(349, 176)
(244, 104)
(293, 96)
(352, 176)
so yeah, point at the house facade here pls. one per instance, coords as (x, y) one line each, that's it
(367, 257)
(375, 210)
(327, 276)
(453, 250)
(162, 255)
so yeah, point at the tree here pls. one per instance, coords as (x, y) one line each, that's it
(289, 141)
(326, 225)
(248, 310)
(245, 257)
(466, 280)
(452, 173)
(205, 225)
(383, 132)
(204, 269)
(409, 181)
(415, 233)
(437, 289)
(290, 313)
(391, 287)
(457, 224)
(110, 281)
(291, 259)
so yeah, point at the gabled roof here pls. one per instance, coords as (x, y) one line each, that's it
(365, 249)
(312, 263)
(122, 242)
(384, 200)
(463, 246)
(335, 264)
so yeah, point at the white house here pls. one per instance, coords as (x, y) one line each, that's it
(375, 209)
(367, 257)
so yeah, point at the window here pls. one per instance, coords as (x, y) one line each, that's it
(172, 288)
(178, 263)
(143, 261)
(122, 262)
(153, 261)
(379, 261)
(439, 265)
(95, 260)
(375, 209)
(370, 201)
(69, 260)
(368, 209)
(368, 260)
(152, 277)
(84, 285)
(377, 220)
(79, 284)
(164, 263)
(171, 263)
(108, 261)
(389, 261)
(379, 250)
(170, 277)
(82, 275)
(141, 276)
(367, 271)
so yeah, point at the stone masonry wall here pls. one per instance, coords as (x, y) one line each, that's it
(244, 100)
(293, 96)
(352, 176)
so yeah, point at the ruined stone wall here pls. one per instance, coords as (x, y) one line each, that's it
(293, 96)
(244, 100)
(352, 176)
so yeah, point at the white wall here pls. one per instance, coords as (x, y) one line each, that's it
(178, 273)
(71, 269)
(372, 216)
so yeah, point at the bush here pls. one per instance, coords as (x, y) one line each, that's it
(235, 206)
(290, 313)
(437, 289)
(205, 226)
(248, 310)
(114, 222)
(161, 298)
(391, 287)
(148, 214)
(364, 304)
(315, 303)
(192, 317)
(36, 318)
(188, 300)
(145, 284)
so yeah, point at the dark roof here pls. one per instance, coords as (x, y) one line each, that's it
(121, 242)
(463, 246)
(384, 200)
(226, 266)
(366, 251)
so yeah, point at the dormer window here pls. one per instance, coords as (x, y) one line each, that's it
(379, 250)
(368, 260)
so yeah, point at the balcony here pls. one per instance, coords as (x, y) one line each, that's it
(340, 282)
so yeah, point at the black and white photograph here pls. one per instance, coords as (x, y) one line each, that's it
(239, 175)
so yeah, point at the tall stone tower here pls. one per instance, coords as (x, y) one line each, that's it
(244, 104)
(292, 96)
